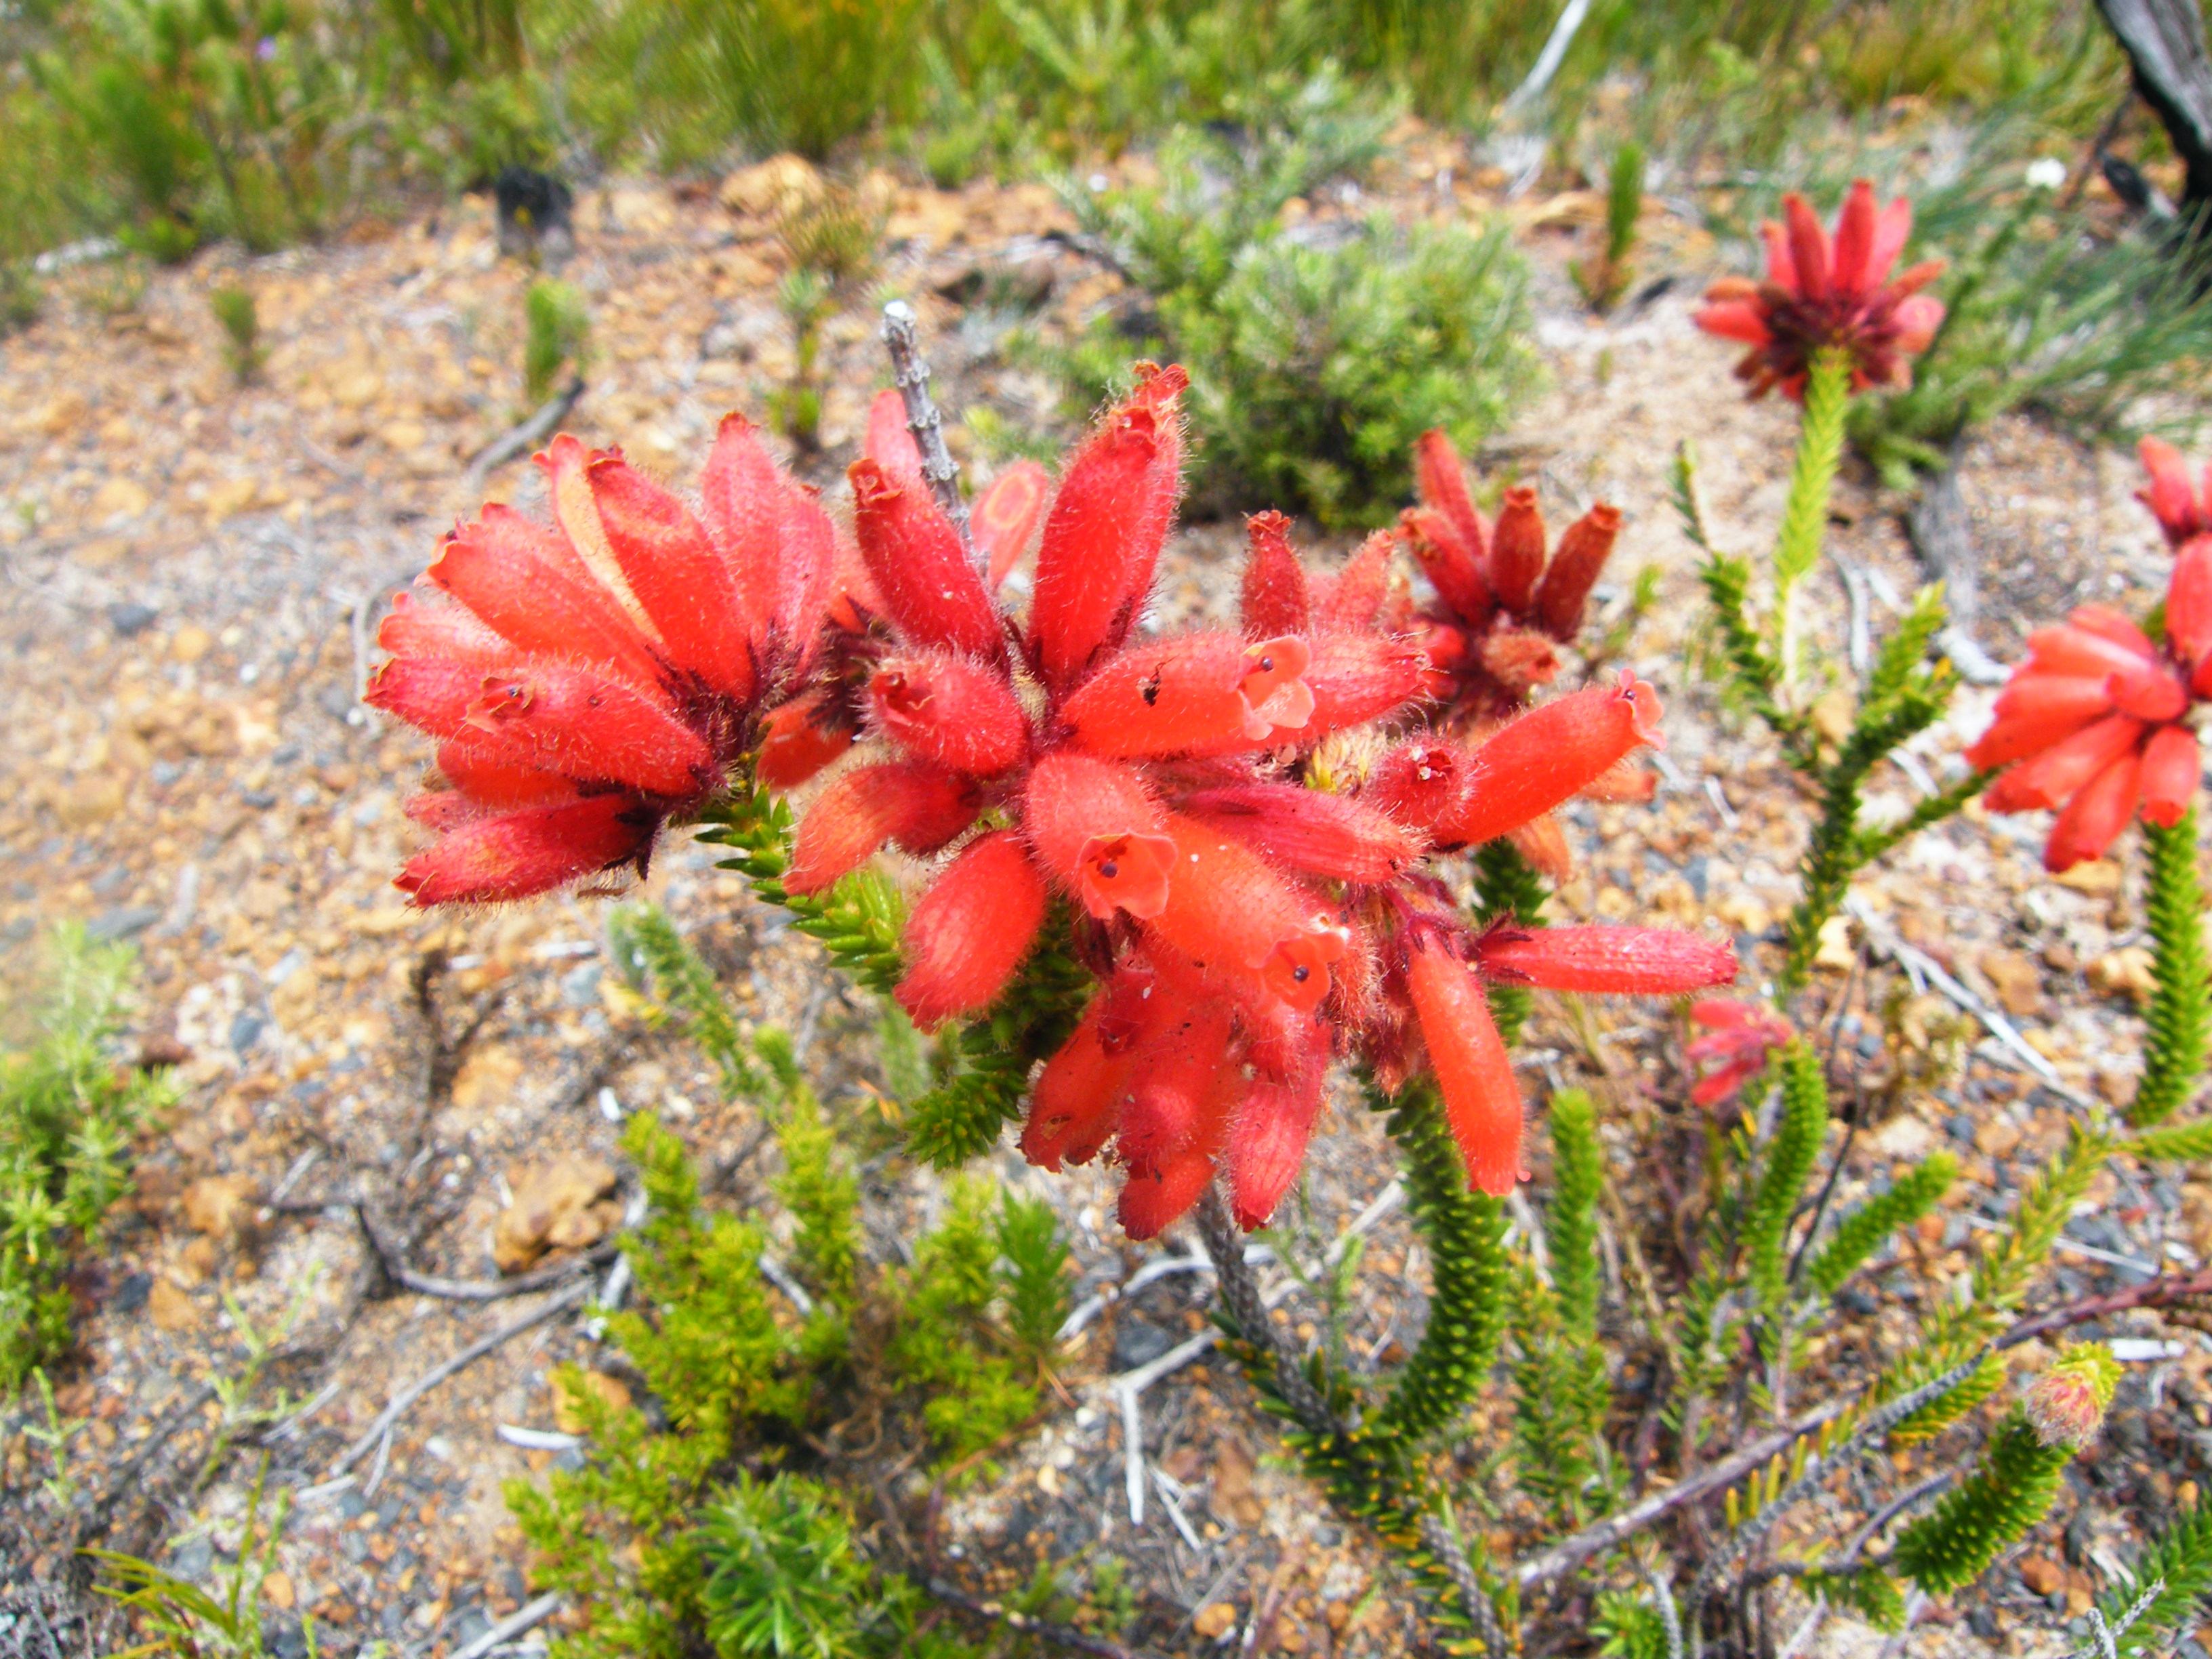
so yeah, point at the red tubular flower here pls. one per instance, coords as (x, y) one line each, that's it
(798, 740)
(889, 441)
(1819, 295)
(1453, 568)
(1275, 597)
(1076, 1106)
(1267, 1138)
(970, 931)
(915, 557)
(1482, 1100)
(1516, 550)
(1644, 962)
(1739, 1037)
(1180, 1081)
(2099, 810)
(1576, 563)
(593, 678)
(1104, 531)
(1419, 782)
(1351, 598)
(2182, 511)
(2171, 767)
(530, 851)
(1229, 913)
(1546, 755)
(951, 710)
(1355, 678)
(1201, 693)
(1306, 829)
(1004, 519)
(1443, 488)
(920, 806)
(1151, 1203)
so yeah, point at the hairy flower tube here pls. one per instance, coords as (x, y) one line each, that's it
(1502, 603)
(1824, 293)
(590, 680)
(2100, 722)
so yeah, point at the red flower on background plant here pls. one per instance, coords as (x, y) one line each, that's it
(2098, 721)
(1739, 1036)
(589, 680)
(1824, 294)
(2182, 507)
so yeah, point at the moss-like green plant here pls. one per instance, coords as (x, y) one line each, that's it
(68, 1114)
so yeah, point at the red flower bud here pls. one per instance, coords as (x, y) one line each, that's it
(550, 715)
(1519, 658)
(1202, 694)
(889, 441)
(1104, 534)
(1181, 1082)
(2088, 645)
(488, 785)
(2149, 691)
(1357, 678)
(1276, 600)
(517, 854)
(800, 738)
(2171, 494)
(1516, 550)
(678, 578)
(443, 634)
(1575, 564)
(1540, 759)
(970, 931)
(1452, 568)
(2064, 767)
(1004, 519)
(1150, 1204)
(2092, 820)
(1543, 843)
(950, 710)
(918, 805)
(2189, 602)
(2036, 710)
(915, 556)
(523, 582)
(1077, 1105)
(1637, 962)
(1350, 599)
(1096, 829)
(1417, 782)
(773, 538)
(1482, 1100)
(1443, 488)
(1307, 830)
(1268, 1136)
(2171, 768)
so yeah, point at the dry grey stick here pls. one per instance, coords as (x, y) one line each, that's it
(910, 374)
(531, 1613)
(1472, 1596)
(533, 431)
(437, 1374)
(1570, 1552)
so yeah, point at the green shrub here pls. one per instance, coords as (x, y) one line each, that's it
(68, 1114)
(1315, 363)
(556, 334)
(234, 309)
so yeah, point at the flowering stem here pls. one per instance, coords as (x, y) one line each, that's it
(910, 372)
(1805, 519)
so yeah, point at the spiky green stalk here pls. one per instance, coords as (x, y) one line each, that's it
(2180, 1015)
(1862, 1230)
(2011, 1491)
(1799, 1131)
(2181, 1555)
(650, 953)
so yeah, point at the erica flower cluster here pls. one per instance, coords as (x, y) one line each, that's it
(1231, 829)
(1829, 293)
(2100, 722)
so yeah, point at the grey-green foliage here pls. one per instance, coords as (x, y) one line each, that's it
(68, 1114)
(1317, 355)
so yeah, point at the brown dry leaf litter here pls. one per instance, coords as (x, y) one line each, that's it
(194, 572)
